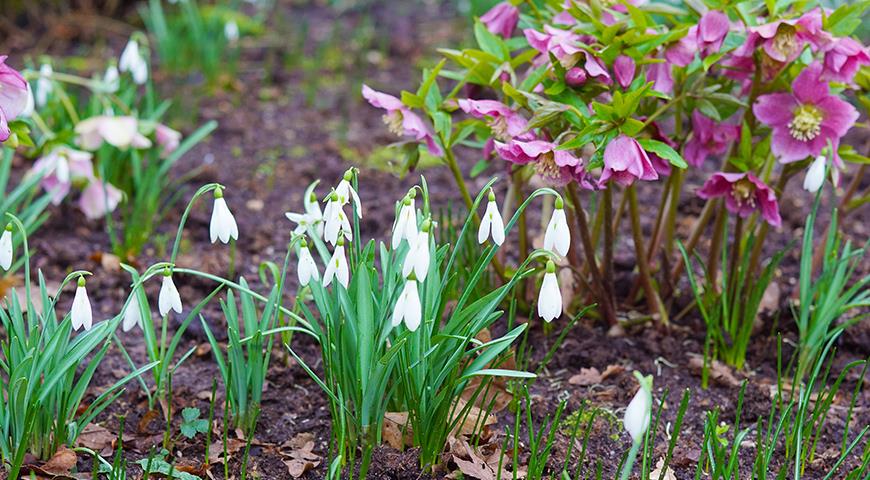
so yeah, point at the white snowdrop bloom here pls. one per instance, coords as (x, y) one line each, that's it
(815, 177)
(44, 86)
(307, 269)
(557, 238)
(312, 209)
(637, 414)
(6, 247)
(337, 267)
(335, 220)
(417, 259)
(408, 306)
(302, 220)
(223, 224)
(405, 226)
(231, 31)
(132, 61)
(491, 223)
(112, 79)
(81, 313)
(550, 297)
(29, 104)
(169, 299)
(346, 192)
(133, 315)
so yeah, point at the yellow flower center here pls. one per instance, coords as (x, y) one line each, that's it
(393, 120)
(785, 41)
(806, 123)
(500, 129)
(743, 191)
(546, 166)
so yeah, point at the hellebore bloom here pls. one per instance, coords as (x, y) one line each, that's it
(784, 40)
(491, 223)
(337, 267)
(13, 97)
(406, 223)
(708, 138)
(408, 306)
(81, 313)
(335, 220)
(168, 299)
(133, 314)
(624, 68)
(712, 30)
(744, 194)
(99, 198)
(550, 297)
(167, 138)
(60, 168)
(558, 167)
(401, 120)
(506, 123)
(132, 61)
(626, 161)
(501, 19)
(307, 268)
(637, 414)
(803, 122)
(120, 132)
(223, 224)
(6, 247)
(661, 76)
(44, 85)
(565, 45)
(417, 259)
(843, 58)
(558, 236)
(815, 177)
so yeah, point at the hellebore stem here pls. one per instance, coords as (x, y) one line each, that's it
(607, 201)
(736, 244)
(716, 246)
(697, 230)
(652, 296)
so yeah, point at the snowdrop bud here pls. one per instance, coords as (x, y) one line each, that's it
(417, 259)
(132, 61)
(133, 314)
(491, 223)
(346, 192)
(558, 236)
(815, 177)
(550, 297)
(6, 247)
(307, 269)
(406, 223)
(408, 306)
(30, 103)
(223, 224)
(637, 414)
(337, 267)
(231, 31)
(43, 85)
(81, 313)
(112, 79)
(169, 299)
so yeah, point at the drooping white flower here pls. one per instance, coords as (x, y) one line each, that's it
(133, 314)
(550, 297)
(815, 177)
(637, 414)
(313, 216)
(346, 192)
(307, 269)
(223, 225)
(408, 306)
(231, 31)
(557, 238)
(81, 313)
(491, 223)
(30, 103)
(417, 259)
(337, 267)
(44, 86)
(112, 79)
(132, 61)
(405, 226)
(169, 299)
(6, 247)
(335, 220)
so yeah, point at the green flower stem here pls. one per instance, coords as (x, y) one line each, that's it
(716, 244)
(652, 296)
(607, 201)
(735, 255)
(698, 229)
(202, 190)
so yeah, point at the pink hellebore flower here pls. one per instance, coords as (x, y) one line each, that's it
(624, 68)
(661, 76)
(120, 132)
(501, 19)
(14, 96)
(803, 122)
(784, 40)
(565, 45)
(843, 59)
(744, 194)
(400, 119)
(167, 138)
(708, 138)
(661, 165)
(557, 166)
(96, 200)
(625, 161)
(506, 123)
(60, 168)
(705, 38)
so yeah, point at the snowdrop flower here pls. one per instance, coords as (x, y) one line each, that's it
(335, 221)
(417, 259)
(408, 306)
(307, 268)
(406, 223)
(637, 414)
(815, 175)
(6, 247)
(133, 314)
(550, 297)
(112, 79)
(132, 61)
(346, 192)
(558, 237)
(491, 223)
(337, 267)
(81, 313)
(313, 216)
(29, 104)
(223, 224)
(231, 31)
(169, 298)
(44, 85)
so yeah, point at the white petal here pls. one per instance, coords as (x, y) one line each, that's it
(6, 250)
(307, 268)
(421, 256)
(133, 315)
(485, 226)
(558, 237)
(81, 313)
(637, 415)
(413, 312)
(497, 223)
(550, 298)
(399, 309)
(815, 176)
(343, 272)
(356, 201)
(169, 299)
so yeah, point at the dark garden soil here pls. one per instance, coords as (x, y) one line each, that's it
(284, 124)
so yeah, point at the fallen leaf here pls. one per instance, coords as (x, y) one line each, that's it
(301, 454)
(471, 422)
(397, 433)
(718, 371)
(61, 463)
(474, 469)
(97, 438)
(586, 377)
(611, 370)
(657, 473)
